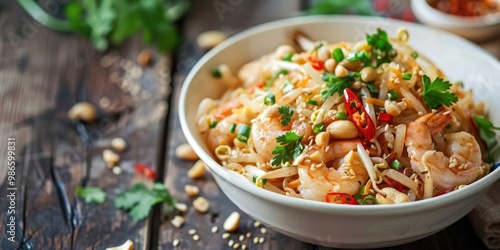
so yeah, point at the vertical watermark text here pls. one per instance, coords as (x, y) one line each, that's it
(11, 189)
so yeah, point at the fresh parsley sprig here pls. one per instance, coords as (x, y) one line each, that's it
(91, 194)
(286, 114)
(381, 47)
(437, 93)
(290, 148)
(335, 84)
(139, 199)
(486, 131)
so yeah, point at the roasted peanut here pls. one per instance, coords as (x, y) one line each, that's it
(186, 152)
(342, 129)
(198, 170)
(368, 74)
(232, 222)
(83, 111)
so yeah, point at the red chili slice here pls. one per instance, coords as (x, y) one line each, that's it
(358, 114)
(316, 63)
(146, 171)
(384, 117)
(395, 184)
(340, 198)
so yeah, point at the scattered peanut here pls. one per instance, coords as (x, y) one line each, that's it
(341, 71)
(191, 190)
(181, 207)
(256, 223)
(368, 74)
(242, 237)
(177, 221)
(261, 240)
(249, 235)
(322, 139)
(225, 235)
(83, 111)
(263, 230)
(175, 242)
(215, 229)
(192, 231)
(128, 245)
(236, 245)
(323, 54)
(186, 152)
(201, 205)
(342, 129)
(255, 240)
(145, 57)
(210, 39)
(330, 65)
(232, 222)
(110, 157)
(196, 237)
(116, 170)
(243, 247)
(230, 243)
(119, 144)
(198, 170)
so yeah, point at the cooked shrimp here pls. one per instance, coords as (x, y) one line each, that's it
(334, 150)
(220, 135)
(316, 182)
(267, 126)
(459, 164)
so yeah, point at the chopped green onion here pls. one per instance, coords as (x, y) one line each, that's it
(406, 76)
(394, 95)
(368, 200)
(371, 87)
(318, 46)
(288, 86)
(213, 124)
(356, 74)
(341, 115)
(288, 57)
(232, 128)
(352, 57)
(396, 164)
(216, 73)
(364, 57)
(312, 102)
(269, 99)
(254, 180)
(338, 54)
(318, 128)
(414, 54)
(243, 133)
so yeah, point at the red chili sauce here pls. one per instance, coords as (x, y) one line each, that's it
(466, 8)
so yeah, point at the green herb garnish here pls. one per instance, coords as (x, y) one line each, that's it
(216, 73)
(381, 48)
(406, 76)
(317, 128)
(342, 115)
(286, 114)
(371, 87)
(312, 102)
(91, 194)
(396, 165)
(437, 93)
(288, 57)
(486, 131)
(269, 99)
(338, 55)
(232, 128)
(335, 84)
(139, 199)
(393, 95)
(414, 54)
(289, 149)
(243, 133)
(254, 180)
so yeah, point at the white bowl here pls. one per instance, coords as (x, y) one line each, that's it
(475, 29)
(329, 224)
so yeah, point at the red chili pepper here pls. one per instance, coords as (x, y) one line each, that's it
(395, 184)
(340, 198)
(145, 170)
(316, 63)
(358, 114)
(444, 191)
(384, 117)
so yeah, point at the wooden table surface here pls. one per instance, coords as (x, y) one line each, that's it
(43, 73)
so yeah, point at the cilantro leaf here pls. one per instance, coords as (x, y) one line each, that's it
(139, 199)
(290, 148)
(286, 114)
(437, 93)
(381, 47)
(335, 84)
(91, 194)
(486, 131)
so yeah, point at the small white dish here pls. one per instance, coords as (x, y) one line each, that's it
(331, 224)
(473, 28)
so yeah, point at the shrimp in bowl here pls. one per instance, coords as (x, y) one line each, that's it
(366, 122)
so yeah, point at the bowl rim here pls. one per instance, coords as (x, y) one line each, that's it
(312, 205)
(445, 19)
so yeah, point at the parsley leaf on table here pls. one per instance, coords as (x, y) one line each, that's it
(91, 194)
(335, 84)
(286, 114)
(290, 148)
(437, 93)
(486, 131)
(139, 199)
(381, 47)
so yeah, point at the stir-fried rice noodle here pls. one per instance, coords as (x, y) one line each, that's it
(339, 122)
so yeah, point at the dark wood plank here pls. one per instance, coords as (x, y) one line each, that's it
(42, 77)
